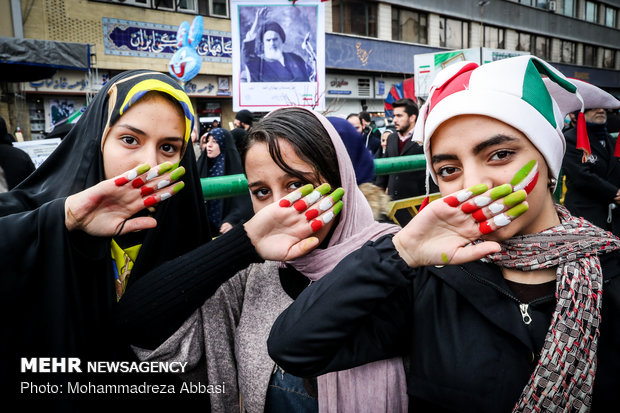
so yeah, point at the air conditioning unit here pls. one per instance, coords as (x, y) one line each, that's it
(553, 6)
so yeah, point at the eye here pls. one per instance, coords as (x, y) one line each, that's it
(169, 148)
(261, 193)
(447, 171)
(501, 155)
(295, 185)
(129, 140)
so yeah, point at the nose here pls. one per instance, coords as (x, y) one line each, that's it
(149, 155)
(473, 174)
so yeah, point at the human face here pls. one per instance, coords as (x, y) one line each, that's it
(491, 152)
(596, 116)
(268, 183)
(151, 131)
(403, 122)
(213, 148)
(237, 123)
(272, 44)
(355, 121)
(384, 139)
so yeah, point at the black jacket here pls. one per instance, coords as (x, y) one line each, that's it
(459, 326)
(406, 184)
(592, 186)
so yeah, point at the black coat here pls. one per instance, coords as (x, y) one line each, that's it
(592, 186)
(460, 327)
(405, 184)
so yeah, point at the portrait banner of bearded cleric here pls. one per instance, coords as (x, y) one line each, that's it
(278, 54)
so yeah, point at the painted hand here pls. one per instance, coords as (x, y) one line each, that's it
(283, 230)
(106, 208)
(443, 232)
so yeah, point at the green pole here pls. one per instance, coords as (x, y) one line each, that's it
(224, 186)
(397, 164)
(234, 185)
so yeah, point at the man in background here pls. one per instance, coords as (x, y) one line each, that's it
(372, 135)
(593, 186)
(399, 143)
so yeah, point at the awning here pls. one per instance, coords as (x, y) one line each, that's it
(23, 60)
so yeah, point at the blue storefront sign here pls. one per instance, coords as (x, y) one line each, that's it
(142, 39)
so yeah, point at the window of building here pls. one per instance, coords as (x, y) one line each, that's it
(354, 17)
(173, 5)
(453, 33)
(493, 37)
(218, 8)
(542, 47)
(589, 55)
(591, 11)
(570, 8)
(610, 16)
(409, 26)
(568, 52)
(609, 59)
(524, 43)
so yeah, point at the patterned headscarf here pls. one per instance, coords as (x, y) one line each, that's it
(564, 377)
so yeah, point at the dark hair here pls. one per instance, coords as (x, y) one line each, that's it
(410, 107)
(309, 140)
(354, 114)
(365, 116)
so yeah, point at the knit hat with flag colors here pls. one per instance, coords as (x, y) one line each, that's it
(510, 90)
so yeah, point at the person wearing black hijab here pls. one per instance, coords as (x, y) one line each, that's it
(15, 163)
(219, 157)
(70, 229)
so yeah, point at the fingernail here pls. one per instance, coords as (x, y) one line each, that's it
(165, 167)
(515, 198)
(337, 207)
(517, 210)
(143, 168)
(337, 194)
(178, 187)
(500, 191)
(146, 190)
(306, 189)
(523, 172)
(179, 172)
(478, 189)
(323, 188)
(526, 178)
(150, 201)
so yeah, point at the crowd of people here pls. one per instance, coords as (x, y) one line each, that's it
(301, 296)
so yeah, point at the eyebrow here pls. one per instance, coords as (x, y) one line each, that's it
(132, 128)
(141, 132)
(495, 140)
(261, 182)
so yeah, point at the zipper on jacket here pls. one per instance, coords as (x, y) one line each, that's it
(524, 314)
(523, 307)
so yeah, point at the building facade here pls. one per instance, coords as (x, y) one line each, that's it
(370, 46)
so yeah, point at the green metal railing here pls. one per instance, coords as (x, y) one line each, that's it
(233, 185)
